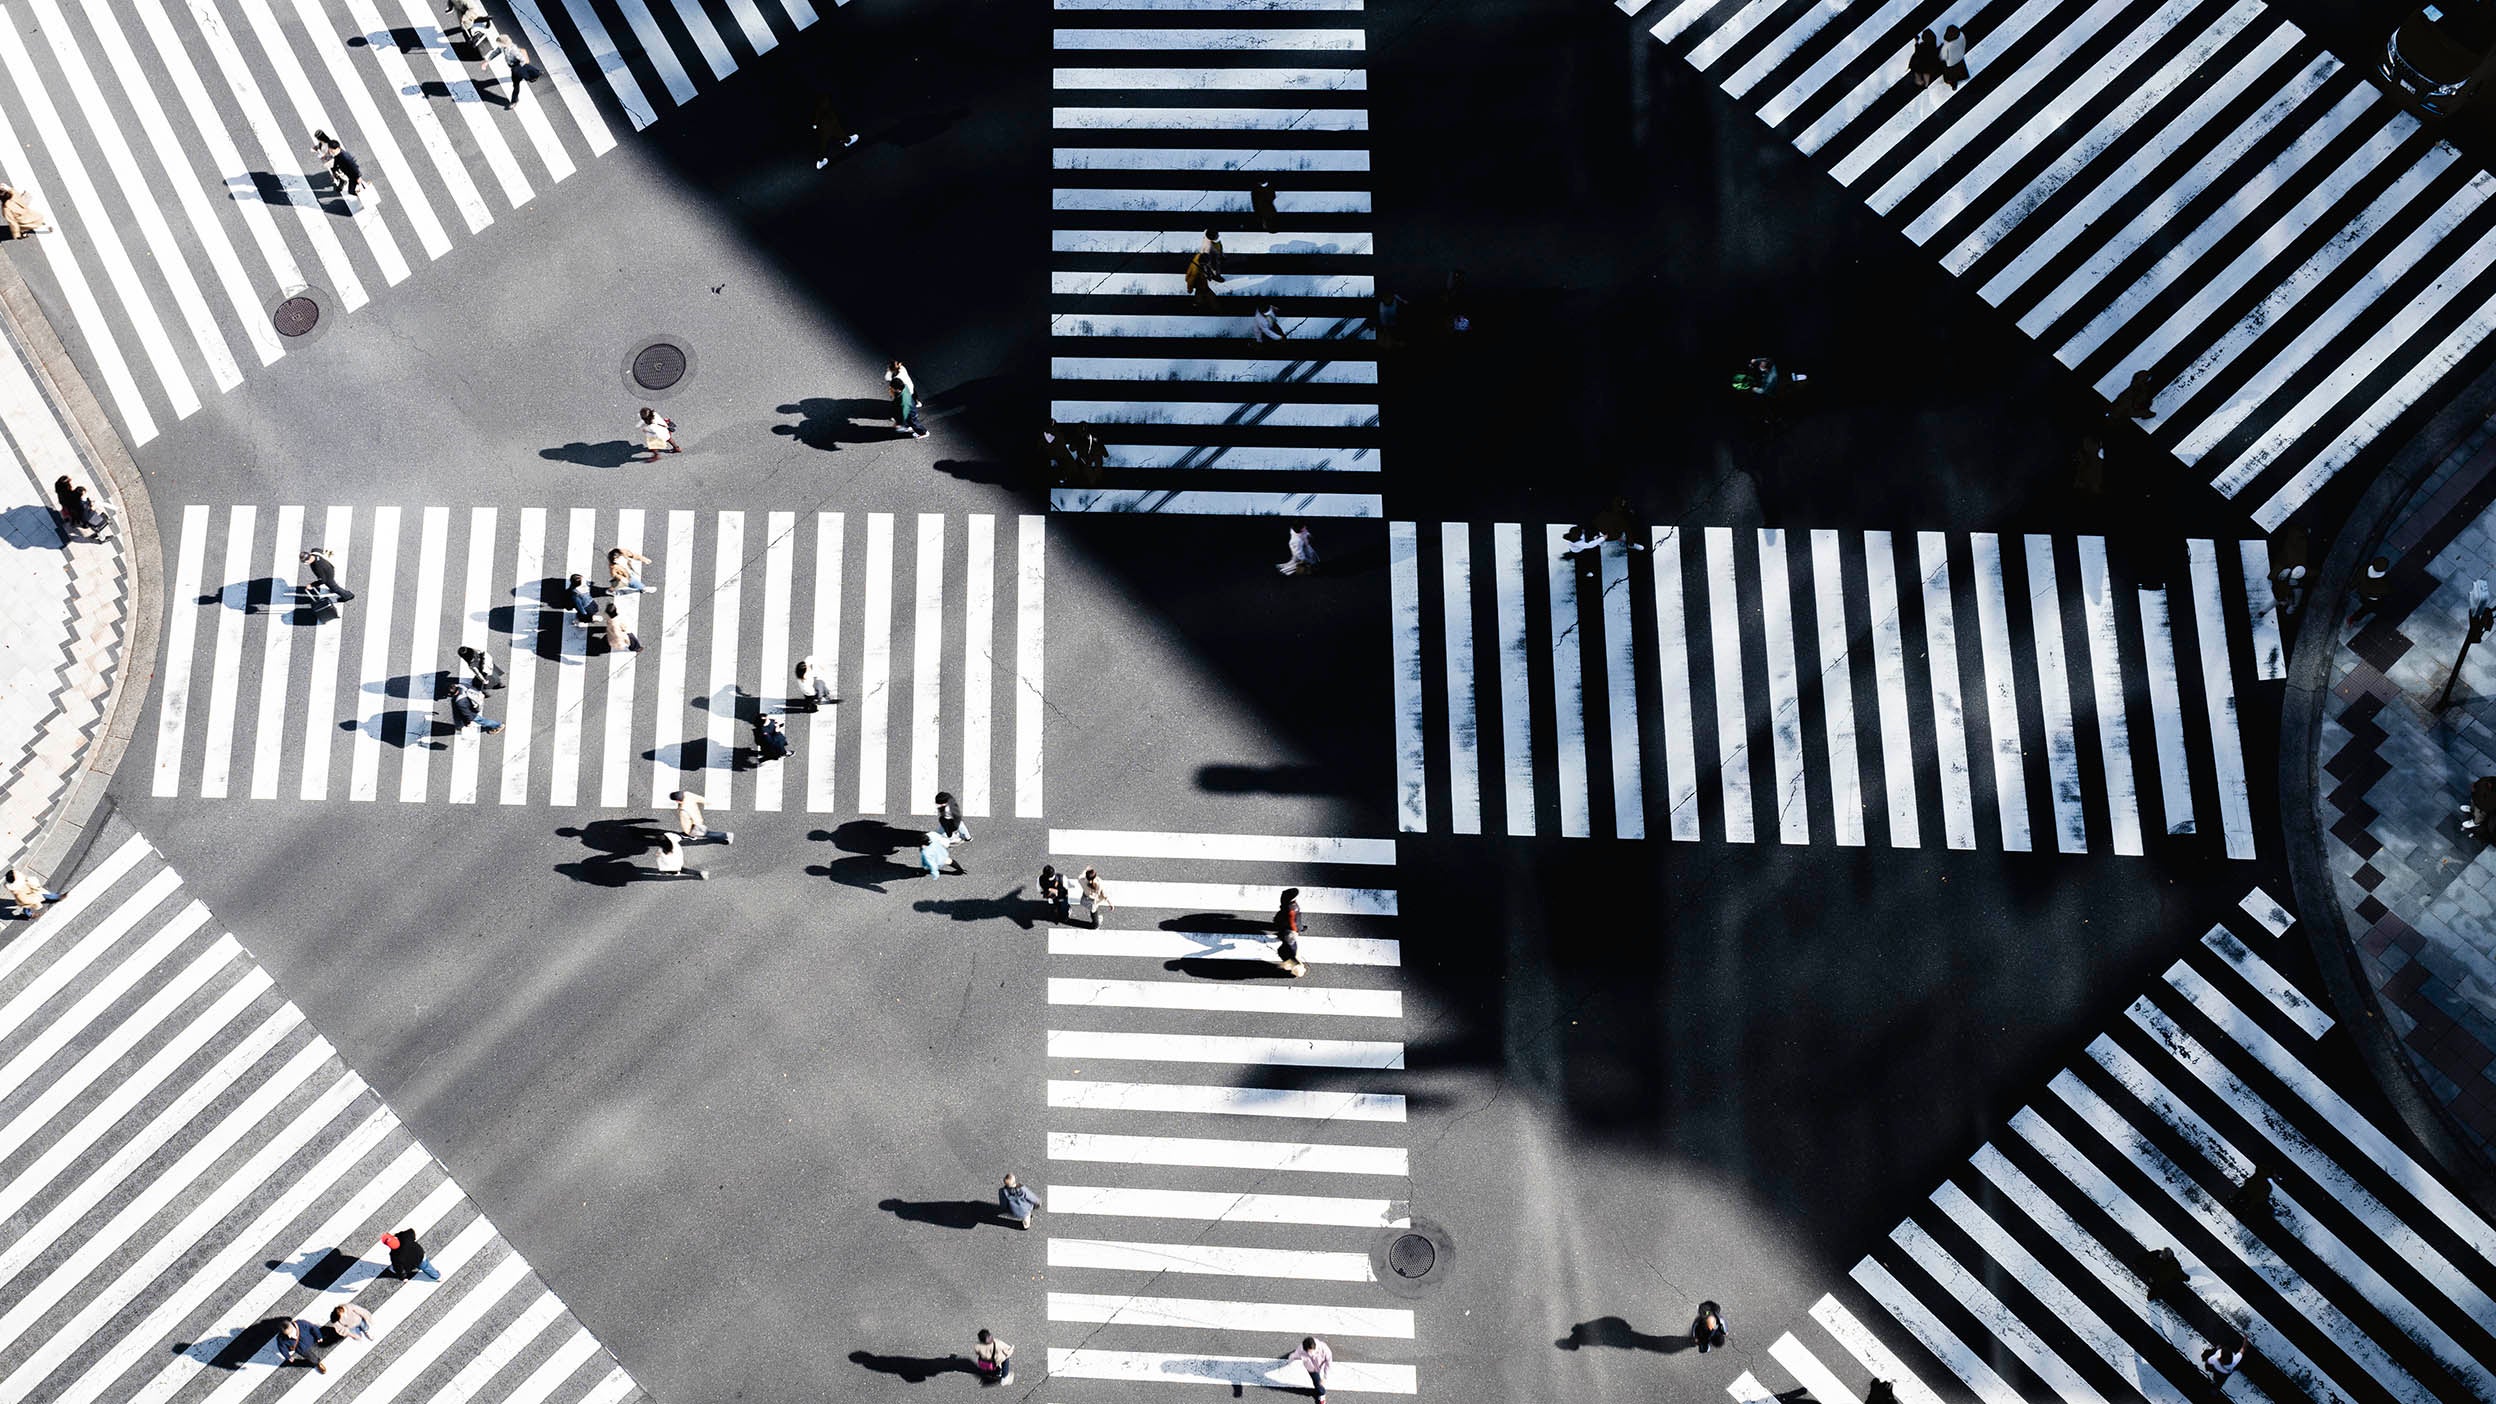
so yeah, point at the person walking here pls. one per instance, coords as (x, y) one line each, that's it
(1303, 559)
(487, 672)
(1211, 252)
(2253, 1196)
(2162, 1274)
(905, 396)
(345, 172)
(1317, 1358)
(1924, 64)
(1707, 1331)
(299, 1342)
(514, 61)
(2481, 808)
(828, 121)
(1953, 56)
(1267, 325)
(658, 433)
(2374, 586)
(670, 862)
(1287, 934)
(347, 1319)
(689, 807)
(936, 856)
(949, 818)
(771, 739)
(468, 709)
(2137, 399)
(407, 1256)
(1095, 897)
(619, 638)
(1261, 200)
(584, 603)
(815, 688)
(78, 509)
(470, 13)
(1053, 890)
(323, 563)
(2222, 1358)
(1017, 1200)
(20, 212)
(28, 897)
(1200, 280)
(624, 571)
(994, 1360)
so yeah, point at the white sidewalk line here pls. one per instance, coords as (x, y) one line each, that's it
(1936, 1338)
(1235, 40)
(1785, 700)
(424, 652)
(372, 696)
(1733, 714)
(1216, 945)
(2166, 705)
(98, 883)
(1464, 735)
(1210, 1100)
(615, 770)
(416, 104)
(1117, 1309)
(1217, 1207)
(824, 645)
(507, 1346)
(476, 603)
(2007, 86)
(1568, 687)
(2218, 691)
(2062, 743)
(927, 663)
(609, 62)
(875, 668)
(1889, 674)
(565, 1362)
(2114, 732)
(1227, 1049)
(2267, 911)
(1837, 686)
(1412, 790)
(550, 56)
(305, 104)
(369, 132)
(1516, 678)
(1993, 635)
(1242, 848)
(95, 993)
(320, 711)
(1210, 1260)
(1874, 1357)
(225, 654)
(1807, 1370)
(1234, 1371)
(572, 667)
(61, 256)
(1259, 898)
(671, 739)
(1941, 643)
(720, 720)
(1620, 670)
(2270, 653)
(1233, 119)
(714, 51)
(777, 681)
(443, 1332)
(1286, 999)
(1301, 1156)
(1875, 21)
(527, 611)
(979, 644)
(1030, 660)
(654, 47)
(1206, 80)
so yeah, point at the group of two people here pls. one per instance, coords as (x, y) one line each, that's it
(1942, 61)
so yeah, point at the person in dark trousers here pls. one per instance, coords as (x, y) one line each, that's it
(771, 739)
(2222, 1358)
(1053, 891)
(1953, 56)
(584, 604)
(994, 1360)
(1261, 200)
(1707, 1332)
(323, 563)
(468, 709)
(2253, 1196)
(658, 433)
(1211, 252)
(514, 60)
(1316, 1357)
(830, 129)
(1017, 1201)
(2374, 586)
(302, 1344)
(1924, 64)
(345, 172)
(78, 510)
(1287, 934)
(1200, 280)
(2138, 399)
(407, 1256)
(905, 396)
(486, 671)
(815, 688)
(2482, 806)
(949, 818)
(2163, 1274)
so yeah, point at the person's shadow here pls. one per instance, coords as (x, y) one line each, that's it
(241, 1346)
(1617, 1334)
(942, 1213)
(825, 423)
(614, 845)
(872, 844)
(609, 453)
(1013, 906)
(911, 1369)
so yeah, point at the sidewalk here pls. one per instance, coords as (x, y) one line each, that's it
(2395, 775)
(68, 625)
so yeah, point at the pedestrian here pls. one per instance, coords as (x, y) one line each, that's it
(2137, 399)
(1017, 1200)
(1953, 55)
(1267, 325)
(323, 563)
(828, 121)
(1200, 280)
(949, 818)
(469, 13)
(619, 638)
(905, 396)
(689, 807)
(658, 433)
(78, 509)
(28, 897)
(2253, 1196)
(23, 217)
(515, 61)
(1924, 64)
(584, 604)
(1095, 897)
(2374, 586)
(1303, 559)
(771, 739)
(407, 1256)
(1211, 252)
(2222, 1358)
(936, 856)
(347, 1319)
(1261, 200)
(1287, 934)
(671, 860)
(300, 1341)
(468, 709)
(1317, 1358)
(2163, 1274)
(1707, 1331)
(487, 672)
(2288, 589)
(2475, 814)
(1881, 1392)
(624, 570)
(345, 172)
(2088, 466)
(1053, 890)
(994, 1360)
(817, 689)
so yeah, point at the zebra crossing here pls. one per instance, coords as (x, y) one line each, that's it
(1200, 410)
(1186, 1242)
(182, 1158)
(2070, 716)
(263, 695)
(2360, 1275)
(2189, 191)
(167, 143)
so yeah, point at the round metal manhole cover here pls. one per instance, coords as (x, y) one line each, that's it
(296, 316)
(659, 366)
(1412, 1256)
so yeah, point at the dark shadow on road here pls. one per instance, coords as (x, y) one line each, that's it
(943, 1213)
(610, 453)
(825, 423)
(28, 526)
(614, 844)
(262, 186)
(1225, 969)
(1013, 907)
(872, 836)
(1617, 1334)
(1220, 924)
(1267, 780)
(911, 1369)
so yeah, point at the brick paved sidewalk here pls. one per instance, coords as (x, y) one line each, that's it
(66, 606)
(2422, 894)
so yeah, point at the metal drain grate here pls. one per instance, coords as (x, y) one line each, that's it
(1412, 1256)
(296, 316)
(658, 366)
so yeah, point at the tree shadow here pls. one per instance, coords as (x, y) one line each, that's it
(942, 1213)
(825, 423)
(1012, 906)
(1617, 1334)
(614, 846)
(609, 453)
(911, 1369)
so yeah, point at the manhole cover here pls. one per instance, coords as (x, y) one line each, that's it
(1412, 1256)
(297, 315)
(659, 366)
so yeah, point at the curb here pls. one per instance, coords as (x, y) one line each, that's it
(2317, 900)
(61, 843)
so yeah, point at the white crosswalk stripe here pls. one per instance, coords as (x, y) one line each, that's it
(2351, 1270)
(1741, 744)
(579, 721)
(159, 160)
(1130, 177)
(2188, 191)
(201, 1129)
(1254, 1143)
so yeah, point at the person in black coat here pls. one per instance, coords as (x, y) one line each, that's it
(407, 1256)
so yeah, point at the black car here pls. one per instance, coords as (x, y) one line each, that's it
(2440, 55)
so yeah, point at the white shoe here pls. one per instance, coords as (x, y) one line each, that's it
(822, 161)
(853, 140)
